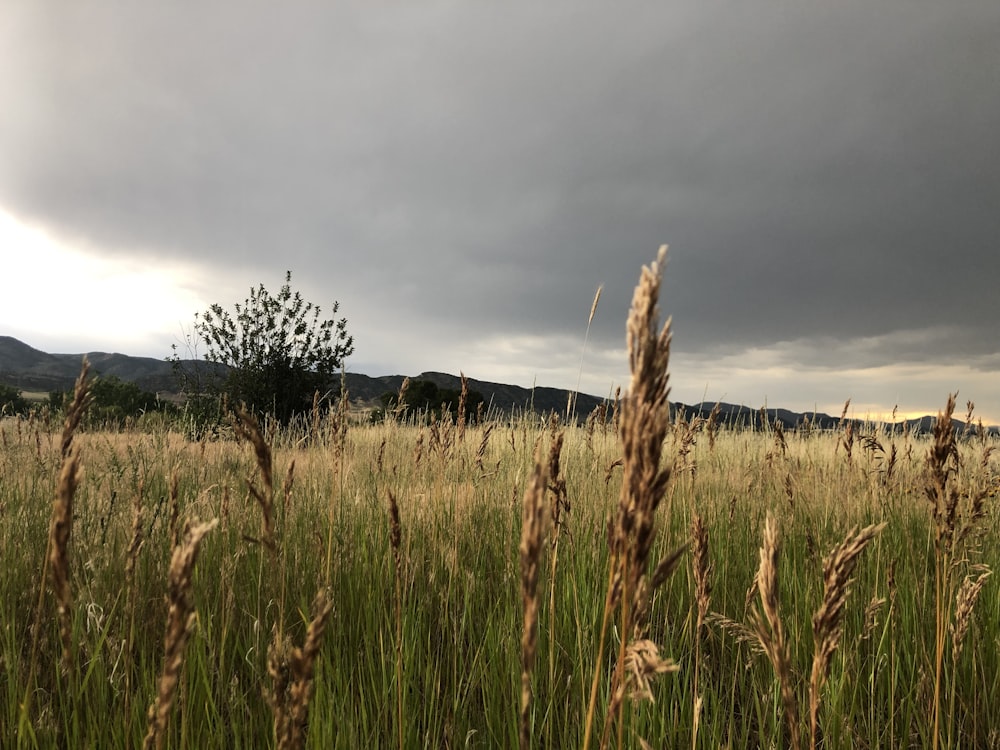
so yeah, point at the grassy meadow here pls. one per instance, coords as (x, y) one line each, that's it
(635, 581)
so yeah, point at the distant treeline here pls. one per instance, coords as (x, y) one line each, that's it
(114, 402)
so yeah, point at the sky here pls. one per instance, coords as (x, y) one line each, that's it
(461, 177)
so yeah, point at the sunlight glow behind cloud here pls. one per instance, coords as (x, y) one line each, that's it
(60, 295)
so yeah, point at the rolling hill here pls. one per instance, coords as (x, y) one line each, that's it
(30, 369)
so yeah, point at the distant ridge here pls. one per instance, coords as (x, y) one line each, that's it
(25, 367)
(30, 369)
(732, 415)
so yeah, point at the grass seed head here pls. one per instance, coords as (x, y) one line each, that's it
(180, 622)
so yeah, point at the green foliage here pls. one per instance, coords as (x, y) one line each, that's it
(424, 396)
(272, 353)
(115, 402)
(11, 401)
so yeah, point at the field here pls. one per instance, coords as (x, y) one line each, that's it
(640, 580)
(458, 636)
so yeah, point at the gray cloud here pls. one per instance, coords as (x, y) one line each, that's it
(456, 174)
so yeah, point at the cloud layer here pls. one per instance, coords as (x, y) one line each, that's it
(461, 177)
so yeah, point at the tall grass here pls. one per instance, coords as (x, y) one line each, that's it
(471, 614)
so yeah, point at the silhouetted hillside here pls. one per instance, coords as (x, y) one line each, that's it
(497, 396)
(30, 369)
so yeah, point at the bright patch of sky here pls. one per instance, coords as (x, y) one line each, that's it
(64, 298)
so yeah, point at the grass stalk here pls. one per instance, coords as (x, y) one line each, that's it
(533, 518)
(181, 619)
(395, 542)
(571, 411)
(838, 568)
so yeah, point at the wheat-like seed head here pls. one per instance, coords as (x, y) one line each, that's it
(827, 623)
(557, 482)
(941, 462)
(530, 549)
(289, 482)
(642, 662)
(593, 306)
(702, 568)
(247, 428)
(645, 419)
(643, 422)
(59, 534)
(462, 400)
(395, 530)
(291, 670)
(175, 510)
(769, 628)
(180, 622)
(136, 542)
(965, 602)
(82, 398)
(739, 631)
(875, 605)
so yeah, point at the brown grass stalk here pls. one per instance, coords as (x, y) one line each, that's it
(395, 543)
(315, 420)
(560, 506)
(175, 510)
(702, 570)
(291, 670)
(59, 534)
(827, 622)
(131, 560)
(247, 428)
(78, 407)
(481, 451)
(180, 622)
(644, 421)
(942, 462)
(289, 482)
(965, 602)
(770, 631)
(572, 398)
(530, 550)
(462, 400)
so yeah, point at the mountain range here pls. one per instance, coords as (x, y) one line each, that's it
(30, 369)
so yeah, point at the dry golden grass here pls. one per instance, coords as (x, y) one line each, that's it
(464, 616)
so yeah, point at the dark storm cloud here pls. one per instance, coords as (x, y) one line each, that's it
(822, 171)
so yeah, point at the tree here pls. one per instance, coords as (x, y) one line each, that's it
(11, 401)
(272, 353)
(115, 402)
(426, 397)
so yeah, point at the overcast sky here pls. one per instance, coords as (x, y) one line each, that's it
(462, 176)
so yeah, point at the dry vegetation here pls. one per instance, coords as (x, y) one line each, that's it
(638, 581)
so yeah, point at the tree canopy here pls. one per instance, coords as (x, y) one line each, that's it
(426, 397)
(114, 401)
(273, 352)
(11, 401)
